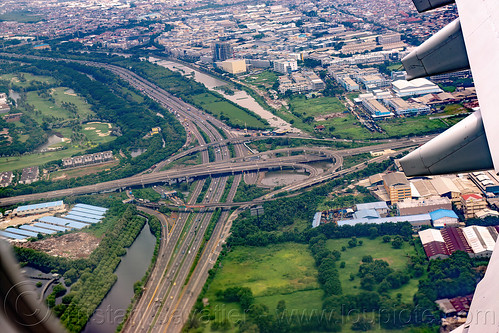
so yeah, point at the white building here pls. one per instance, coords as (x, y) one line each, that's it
(285, 66)
(480, 240)
(403, 107)
(348, 83)
(415, 87)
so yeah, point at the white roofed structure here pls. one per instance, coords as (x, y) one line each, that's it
(430, 235)
(415, 87)
(480, 240)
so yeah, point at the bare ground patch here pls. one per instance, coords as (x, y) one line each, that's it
(72, 246)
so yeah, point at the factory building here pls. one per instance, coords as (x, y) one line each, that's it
(397, 186)
(442, 218)
(477, 241)
(39, 208)
(376, 109)
(417, 221)
(348, 83)
(486, 181)
(415, 87)
(410, 206)
(402, 107)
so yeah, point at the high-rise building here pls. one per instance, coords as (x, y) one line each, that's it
(222, 51)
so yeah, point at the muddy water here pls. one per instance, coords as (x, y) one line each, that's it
(240, 97)
(130, 270)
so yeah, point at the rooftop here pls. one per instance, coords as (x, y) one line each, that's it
(40, 206)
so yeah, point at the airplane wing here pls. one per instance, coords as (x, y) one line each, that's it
(473, 143)
(472, 41)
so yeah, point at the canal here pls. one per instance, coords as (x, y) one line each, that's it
(132, 268)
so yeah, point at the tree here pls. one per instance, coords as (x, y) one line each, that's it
(397, 242)
(373, 232)
(352, 242)
(281, 307)
(362, 324)
(367, 259)
(367, 282)
(387, 239)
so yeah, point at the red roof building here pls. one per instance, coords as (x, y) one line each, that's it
(436, 250)
(455, 240)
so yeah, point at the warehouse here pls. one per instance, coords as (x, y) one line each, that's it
(444, 218)
(39, 208)
(403, 88)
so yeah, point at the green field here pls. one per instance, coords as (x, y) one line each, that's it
(273, 273)
(263, 80)
(19, 162)
(80, 172)
(97, 132)
(221, 108)
(24, 80)
(316, 106)
(397, 258)
(399, 127)
(52, 105)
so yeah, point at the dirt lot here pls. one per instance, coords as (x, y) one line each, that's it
(72, 246)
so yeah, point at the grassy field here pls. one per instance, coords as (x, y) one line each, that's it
(97, 132)
(220, 107)
(52, 106)
(273, 273)
(19, 162)
(147, 193)
(397, 258)
(78, 172)
(25, 80)
(263, 80)
(349, 161)
(412, 125)
(316, 106)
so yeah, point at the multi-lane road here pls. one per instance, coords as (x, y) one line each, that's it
(185, 254)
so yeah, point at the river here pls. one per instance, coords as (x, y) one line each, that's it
(132, 268)
(240, 97)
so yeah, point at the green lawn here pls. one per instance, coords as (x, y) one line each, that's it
(72, 148)
(264, 80)
(412, 125)
(97, 132)
(25, 80)
(316, 106)
(221, 107)
(19, 162)
(273, 273)
(52, 106)
(397, 258)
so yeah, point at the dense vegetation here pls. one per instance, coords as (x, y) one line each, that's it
(103, 91)
(196, 94)
(91, 278)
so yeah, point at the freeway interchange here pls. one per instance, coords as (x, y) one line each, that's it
(186, 253)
